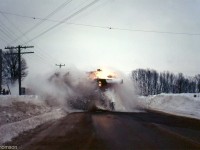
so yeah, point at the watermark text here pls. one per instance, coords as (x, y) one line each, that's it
(8, 147)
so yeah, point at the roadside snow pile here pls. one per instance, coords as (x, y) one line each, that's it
(21, 113)
(16, 108)
(6, 100)
(8, 131)
(179, 104)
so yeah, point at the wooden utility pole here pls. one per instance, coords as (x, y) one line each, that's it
(19, 61)
(60, 65)
(1, 58)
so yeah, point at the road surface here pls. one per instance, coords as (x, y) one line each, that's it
(113, 130)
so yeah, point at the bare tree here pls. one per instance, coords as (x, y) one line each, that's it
(197, 77)
(10, 67)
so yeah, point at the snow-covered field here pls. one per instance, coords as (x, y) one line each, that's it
(178, 104)
(22, 113)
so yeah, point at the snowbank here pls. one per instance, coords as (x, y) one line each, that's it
(22, 113)
(7, 100)
(178, 104)
(8, 131)
(16, 108)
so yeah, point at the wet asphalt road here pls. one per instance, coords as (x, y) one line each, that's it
(113, 130)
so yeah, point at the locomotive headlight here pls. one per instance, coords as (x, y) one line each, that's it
(100, 84)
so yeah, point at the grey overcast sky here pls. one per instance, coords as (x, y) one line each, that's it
(123, 34)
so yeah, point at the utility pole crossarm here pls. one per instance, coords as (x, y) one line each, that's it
(27, 52)
(24, 47)
(27, 47)
(60, 65)
(10, 47)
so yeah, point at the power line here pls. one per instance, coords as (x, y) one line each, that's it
(23, 16)
(18, 15)
(4, 39)
(41, 59)
(5, 28)
(46, 55)
(42, 20)
(6, 34)
(64, 20)
(8, 20)
(12, 24)
(50, 58)
(154, 31)
(107, 27)
(10, 33)
(38, 59)
(45, 58)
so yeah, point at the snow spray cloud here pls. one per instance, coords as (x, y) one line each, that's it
(125, 95)
(58, 88)
(72, 87)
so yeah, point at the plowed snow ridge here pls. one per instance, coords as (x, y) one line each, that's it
(22, 113)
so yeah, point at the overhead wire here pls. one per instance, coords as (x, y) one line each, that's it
(9, 37)
(8, 20)
(107, 27)
(3, 40)
(10, 33)
(5, 29)
(86, 25)
(154, 31)
(93, 26)
(17, 28)
(49, 58)
(39, 23)
(64, 20)
(41, 59)
(46, 60)
(12, 24)
(42, 20)
(44, 56)
(52, 57)
(4, 37)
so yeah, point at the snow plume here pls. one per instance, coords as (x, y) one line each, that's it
(59, 87)
(73, 89)
(125, 95)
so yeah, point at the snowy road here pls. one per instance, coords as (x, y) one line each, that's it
(113, 130)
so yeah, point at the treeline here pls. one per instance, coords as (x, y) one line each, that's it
(150, 82)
